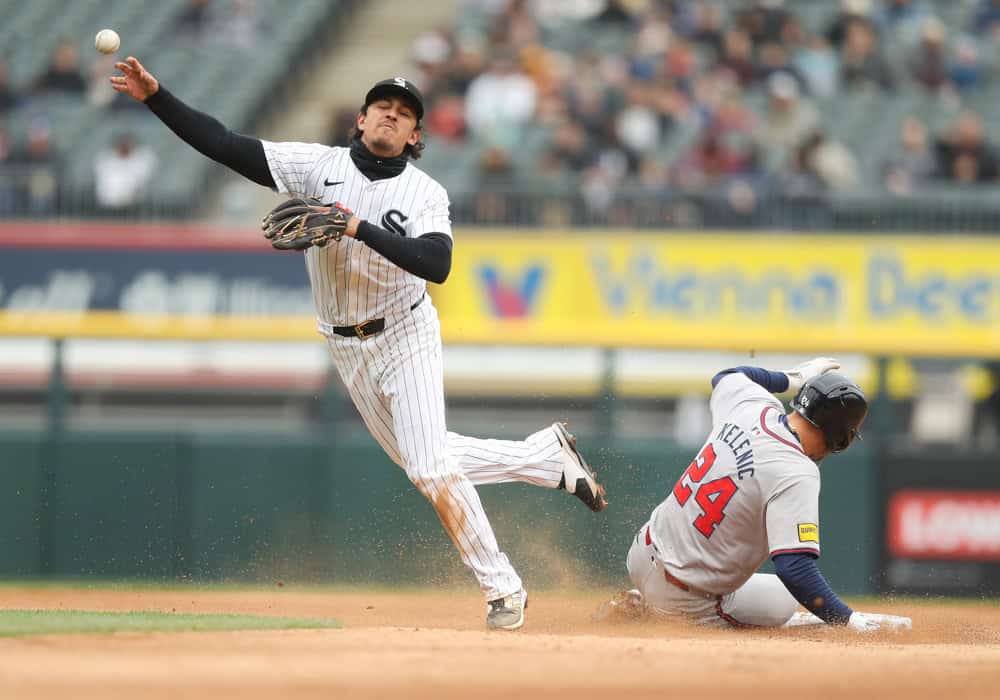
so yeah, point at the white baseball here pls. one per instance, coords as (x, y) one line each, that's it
(107, 41)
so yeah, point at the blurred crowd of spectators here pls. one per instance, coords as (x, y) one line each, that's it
(32, 166)
(697, 97)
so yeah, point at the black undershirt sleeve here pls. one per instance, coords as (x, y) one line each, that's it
(244, 154)
(427, 257)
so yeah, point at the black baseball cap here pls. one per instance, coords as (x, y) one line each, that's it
(397, 86)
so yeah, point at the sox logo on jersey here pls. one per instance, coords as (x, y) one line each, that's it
(393, 220)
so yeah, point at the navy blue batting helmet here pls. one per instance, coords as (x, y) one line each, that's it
(835, 405)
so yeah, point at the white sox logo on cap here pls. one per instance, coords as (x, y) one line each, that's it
(401, 82)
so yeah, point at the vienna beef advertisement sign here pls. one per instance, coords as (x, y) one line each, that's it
(942, 526)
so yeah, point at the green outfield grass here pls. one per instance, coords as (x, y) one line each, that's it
(18, 623)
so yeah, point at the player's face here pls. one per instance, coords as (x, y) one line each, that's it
(388, 126)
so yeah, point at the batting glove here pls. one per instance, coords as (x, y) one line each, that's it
(801, 374)
(860, 622)
(870, 622)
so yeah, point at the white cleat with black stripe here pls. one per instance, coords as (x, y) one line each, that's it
(577, 478)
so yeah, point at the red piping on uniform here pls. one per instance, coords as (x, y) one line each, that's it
(728, 618)
(775, 435)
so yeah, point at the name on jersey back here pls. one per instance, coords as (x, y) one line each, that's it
(734, 437)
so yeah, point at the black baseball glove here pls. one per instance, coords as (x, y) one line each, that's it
(300, 223)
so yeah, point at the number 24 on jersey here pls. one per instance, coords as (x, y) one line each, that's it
(711, 496)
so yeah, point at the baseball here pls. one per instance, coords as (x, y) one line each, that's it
(107, 41)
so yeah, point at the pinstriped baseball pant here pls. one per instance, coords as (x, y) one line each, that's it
(395, 380)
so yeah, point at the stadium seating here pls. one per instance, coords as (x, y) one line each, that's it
(236, 83)
(229, 81)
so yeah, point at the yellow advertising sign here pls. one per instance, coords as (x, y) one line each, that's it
(802, 293)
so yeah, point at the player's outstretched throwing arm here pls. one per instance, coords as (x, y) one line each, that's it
(208, 136)
(427, 256)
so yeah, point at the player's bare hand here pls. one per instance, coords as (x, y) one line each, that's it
(800, 374)
(136, 81)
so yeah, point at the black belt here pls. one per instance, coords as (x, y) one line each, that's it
(370, 328)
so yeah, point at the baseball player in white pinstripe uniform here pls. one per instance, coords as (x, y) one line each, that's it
(385, 229)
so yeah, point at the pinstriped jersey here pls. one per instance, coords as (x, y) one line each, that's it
(750, 493)
(352, 283)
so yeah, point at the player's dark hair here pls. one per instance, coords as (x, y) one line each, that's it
(412, 151)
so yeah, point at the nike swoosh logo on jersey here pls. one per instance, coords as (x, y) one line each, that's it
(331, 184)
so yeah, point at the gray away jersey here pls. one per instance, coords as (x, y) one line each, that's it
(352, 283)
(750, 493)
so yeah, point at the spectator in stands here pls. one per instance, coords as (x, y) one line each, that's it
(708, 27)
(774, 59)
(712, 161)
(902, 18)
(446, 119)
(649, 48)
(38, 171)
(681, 62)
(122, 172)
(500, 102)
(835, 166)
(431, 56)
(518, 27)
(987, 19)
(819, 165)
(787, 122)
(862, 65)
(737, 56)
(63, 72)
(614, 14)
(965, 68)
(912, 165)
(469, 63)
(570, 146)
(763, 20)
(819, 66)
(928, 62)
(9, 96)
(494, 184)
(638, 126)
(963, 154)
(851, 11)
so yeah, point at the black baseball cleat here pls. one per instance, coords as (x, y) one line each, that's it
(577, 478)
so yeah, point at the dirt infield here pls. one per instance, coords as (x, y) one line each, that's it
(433, 644)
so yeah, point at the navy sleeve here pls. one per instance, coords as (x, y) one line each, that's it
(775, 382)
(427, 256)
(803, 579)
(244, 154)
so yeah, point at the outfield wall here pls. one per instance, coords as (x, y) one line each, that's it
(265, 508)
